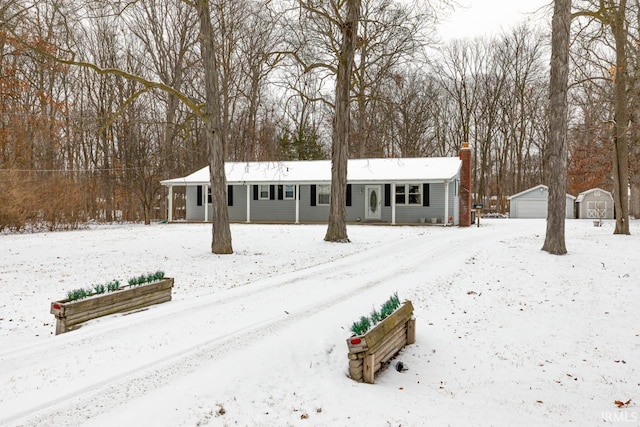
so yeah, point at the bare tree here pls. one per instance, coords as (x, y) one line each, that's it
(554, 242)
(611, 14)
(221, 235)
(337, 229)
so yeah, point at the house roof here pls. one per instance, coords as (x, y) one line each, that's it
(316, 171)
(584, 194)
(537, 187)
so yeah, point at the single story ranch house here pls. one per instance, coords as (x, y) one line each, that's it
(393, 190)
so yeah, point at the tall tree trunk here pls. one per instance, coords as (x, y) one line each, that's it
(337, 229)
(221, 234)
(621, 149)
(554, 241)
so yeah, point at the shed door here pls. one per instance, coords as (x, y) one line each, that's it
(373, 202)
(596, 209)
(531, 208)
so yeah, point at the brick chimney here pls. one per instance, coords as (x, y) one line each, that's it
(465, 186)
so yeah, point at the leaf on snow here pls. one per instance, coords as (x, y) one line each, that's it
(621, 404)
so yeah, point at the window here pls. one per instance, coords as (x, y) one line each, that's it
(324, 194)
(263, 192)
(414, 194)
(408, 194)
(401, 197)
(289, 192)
(199, 195)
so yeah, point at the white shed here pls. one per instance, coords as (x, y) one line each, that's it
(532, 203)
(595, 204)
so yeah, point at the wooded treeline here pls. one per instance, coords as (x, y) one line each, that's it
(79, 145)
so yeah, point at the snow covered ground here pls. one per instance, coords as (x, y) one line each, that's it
(505, 334)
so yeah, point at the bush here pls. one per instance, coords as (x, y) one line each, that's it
(39, 201)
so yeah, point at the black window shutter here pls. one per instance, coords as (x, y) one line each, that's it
(229, 195)
(312, 202)
(425, 194)
(272, 192)
(387, 194)
(280, 191)
(199, 196)
(348, 194)
(255, 192)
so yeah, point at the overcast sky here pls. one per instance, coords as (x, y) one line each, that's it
(488, 17)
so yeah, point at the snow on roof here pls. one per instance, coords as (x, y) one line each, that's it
(312, 171)
(541, 187)
(584, 194)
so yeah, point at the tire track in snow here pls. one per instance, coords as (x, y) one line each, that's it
(114, 390)
(35, 352)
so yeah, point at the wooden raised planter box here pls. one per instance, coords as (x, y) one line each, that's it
(70, 314)
(370, 352)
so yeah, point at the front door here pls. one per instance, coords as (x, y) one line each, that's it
(373, 202)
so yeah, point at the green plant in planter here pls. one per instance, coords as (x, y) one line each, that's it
(362, 326)
(148, 278)
(77, 294)
(375, 316)
(365, 323)
(113, 286)
(389, 306)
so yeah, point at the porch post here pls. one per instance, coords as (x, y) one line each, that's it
(170, 204)
(446, 203)
(297, 203)
(393, 203)
(248, 203)
(205, 196)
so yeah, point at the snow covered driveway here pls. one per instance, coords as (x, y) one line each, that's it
(257, 338)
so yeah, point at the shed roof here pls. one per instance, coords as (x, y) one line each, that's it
(316, 171)
(537, 187)
(584, 194)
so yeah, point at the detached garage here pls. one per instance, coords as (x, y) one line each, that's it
(532, 203)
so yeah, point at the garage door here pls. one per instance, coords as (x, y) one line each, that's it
(531, 208)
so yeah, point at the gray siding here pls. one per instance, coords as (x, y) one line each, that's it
(595, 206)
(533, 204)
(310, 213)
(193, 212)
(285, 210)
(238, 212)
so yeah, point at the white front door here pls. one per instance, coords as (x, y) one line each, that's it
(373, 202)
